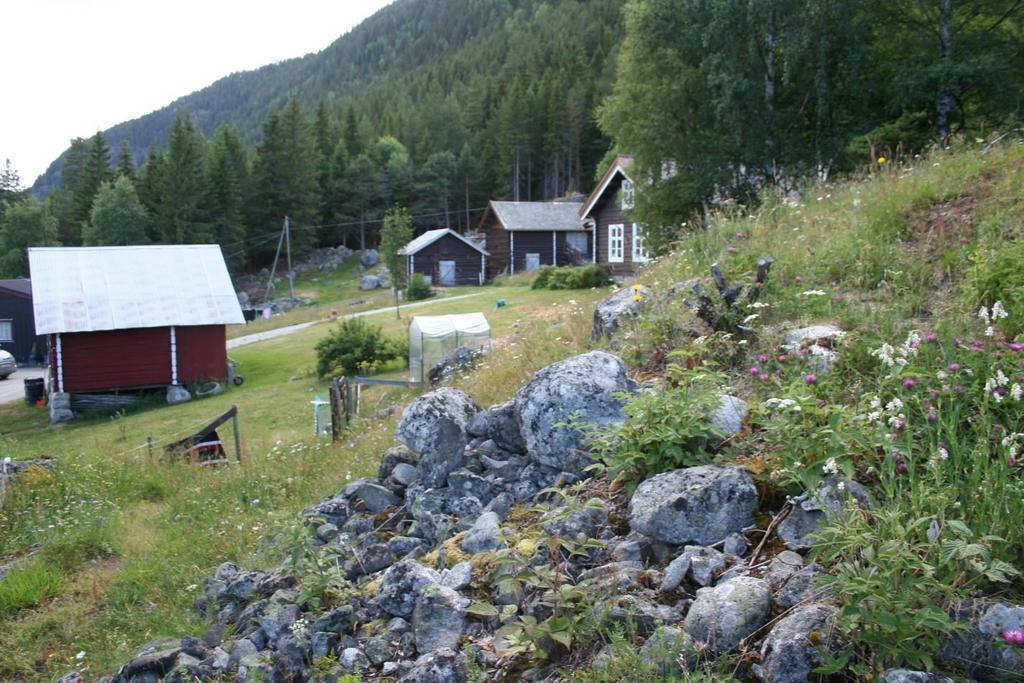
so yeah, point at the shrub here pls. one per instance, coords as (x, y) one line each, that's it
(996, 275)
(666, 427)
(354, 346)
(572, 277)
(418, 288)
(29, 586)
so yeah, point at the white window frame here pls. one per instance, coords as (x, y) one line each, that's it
(616, 243)
(640, 254)
(627, 194)
(9, 322)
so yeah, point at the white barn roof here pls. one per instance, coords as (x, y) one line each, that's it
(431, 236)
(87, 289)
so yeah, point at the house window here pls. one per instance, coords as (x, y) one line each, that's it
(616, 238)
(6, 330)
(626, 194)
(639, 248)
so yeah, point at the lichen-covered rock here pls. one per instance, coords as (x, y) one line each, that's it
(570, 521)
(370, 496)
(610, 314)
(699, 505)
(814, 332)
(500, 424)
(401, 586)
(723, 616)
(794, 648)
(646, 615)
(435, 427)
(815, 342)
(394, 456)
(728, 418)
(802, 587)
(439, 618)
(662, 649)
(581, 389)
(979, 648)
(910, 676)
(783, 566)
(368, 258)
(341, 619)
(442, 666)
(810, 510)
(484, 535)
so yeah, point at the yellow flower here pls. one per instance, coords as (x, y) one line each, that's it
(882, 160)
(637, 287)
(637, 298)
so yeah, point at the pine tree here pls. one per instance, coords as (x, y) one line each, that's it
(125, 162)
(94, 172)
(118, 217)
(326, 136)
(437, 180)
(179, 216)
(227, 173)
(10, 187)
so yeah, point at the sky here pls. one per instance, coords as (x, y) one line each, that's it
(73, 67)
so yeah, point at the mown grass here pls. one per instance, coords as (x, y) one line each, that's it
(127, 536)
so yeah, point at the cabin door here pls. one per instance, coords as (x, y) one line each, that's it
(532, 262)
(447, 273)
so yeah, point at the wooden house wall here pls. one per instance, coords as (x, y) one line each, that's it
(497, 244)
(17, 308)
(607, 212)
(531, 242)
(202, 353)
(468, 261)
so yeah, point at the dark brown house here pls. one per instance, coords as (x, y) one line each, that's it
(620, 241)
(446, 258)
(17, 323)
(523, 236)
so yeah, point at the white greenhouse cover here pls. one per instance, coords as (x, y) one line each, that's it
(443, 325)
(86, 289)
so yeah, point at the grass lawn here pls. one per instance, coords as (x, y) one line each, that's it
(111, 545)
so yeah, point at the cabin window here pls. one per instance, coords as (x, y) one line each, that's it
(639, 248)
(626, 194)
(6, 330)
(616, 238)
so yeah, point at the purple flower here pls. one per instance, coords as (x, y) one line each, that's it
(909, 383)
(811, 379)
(754, 372)
(931, 338)
(1014, 636)
(901, 468)
(798, 278)
(953, 367)
(732, 250)
(899, 425)
(897, 456)
(784, 357)
(932, 417)
(761, 358)
(959, 389)
(934, 393)
(1016, 346)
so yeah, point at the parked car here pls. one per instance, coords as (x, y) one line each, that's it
(7, 364)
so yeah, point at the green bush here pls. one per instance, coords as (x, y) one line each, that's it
(29, 586)
(666, 428)
(573, 277)
(996, 275)
(354, 346)
(418, 288)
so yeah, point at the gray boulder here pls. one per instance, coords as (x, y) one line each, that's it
(435, 427)
(368, 258)
(484, 535)
(60, 407)
(392, 458)
(613, 311)
(371, 496)
(783, 566)
(369, 282)
(721, 617)
(790, 652)
(442, 666)
(802, 587)
(401, 586)
(815, 342)
(177, 394)
(699, 505)
(438, 619)
(910, 676)
(458, 577)
(811, 333)
(728, 419)
(580, 389)
(500, 424)
(809, 511)
(979, 648)
(662, 651)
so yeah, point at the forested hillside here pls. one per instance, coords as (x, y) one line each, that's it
(441, 105)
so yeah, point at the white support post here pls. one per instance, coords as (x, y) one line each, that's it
(483, 268)
(60, 365)
(512, 253)
(174, 356)
(554, 248)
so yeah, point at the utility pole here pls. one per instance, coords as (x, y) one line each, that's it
(277, 255)
(288, 256)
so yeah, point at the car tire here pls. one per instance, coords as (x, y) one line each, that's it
(238, 380)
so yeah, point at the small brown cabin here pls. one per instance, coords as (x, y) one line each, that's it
(523, 236)
(620, 241)
(446, 258)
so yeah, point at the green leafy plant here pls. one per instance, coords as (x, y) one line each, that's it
(666, 427)
(319, 568)
(354, 346)
(572, 277)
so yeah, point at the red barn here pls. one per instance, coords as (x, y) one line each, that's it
(133, 317)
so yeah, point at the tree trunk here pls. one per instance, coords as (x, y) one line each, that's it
(769, 88)
(945, 101)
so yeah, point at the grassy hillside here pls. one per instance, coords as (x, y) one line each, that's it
(919, 247)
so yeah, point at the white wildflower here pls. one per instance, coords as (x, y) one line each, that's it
(1016, 392)
(812, 292)
(781, 404)
(983, 314)
(80, 656)
(1001, 378)
(896, 419)
(998, 311)
(841, 486)
(876, 402)
(874, 416)
(942, 374)
(751, 318)
(990, 331)
(943, 453)
(758, 304)
(830, 467)
(894, 406)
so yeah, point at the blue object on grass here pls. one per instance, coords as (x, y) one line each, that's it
(500, 304)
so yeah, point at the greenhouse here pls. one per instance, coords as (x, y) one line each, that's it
(434, 340)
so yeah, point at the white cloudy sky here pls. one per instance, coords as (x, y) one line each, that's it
(72, 67)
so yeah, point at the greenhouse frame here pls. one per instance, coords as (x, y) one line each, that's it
(433, 338)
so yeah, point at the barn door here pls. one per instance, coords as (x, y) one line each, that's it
(447, 274)
(532, 262)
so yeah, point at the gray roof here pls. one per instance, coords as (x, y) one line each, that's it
(538, 215)
(431, 236)
(20, 285)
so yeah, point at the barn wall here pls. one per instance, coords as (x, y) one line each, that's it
(449, 248)
(531, 242)
(17, 308)
(496, 244)
(116, 359)
(202, 353)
